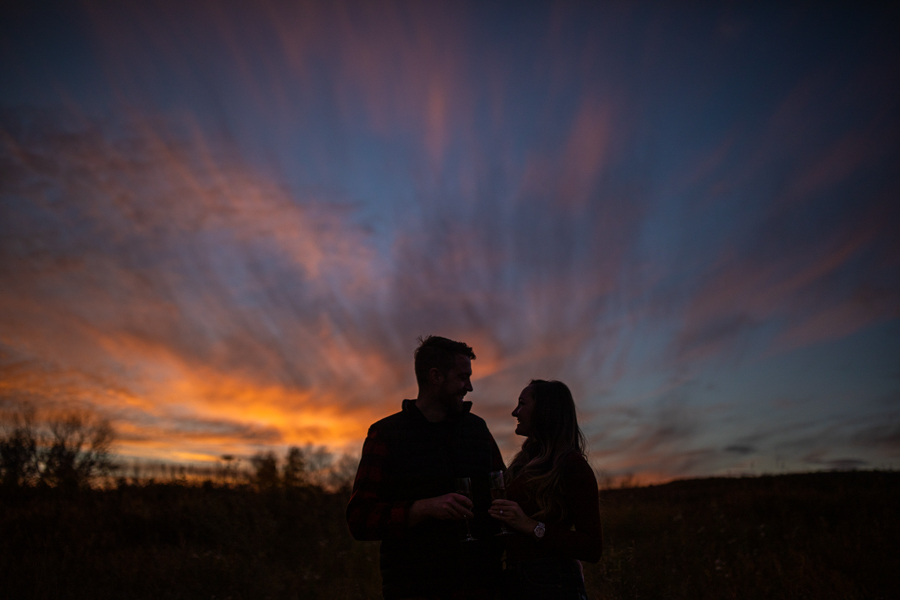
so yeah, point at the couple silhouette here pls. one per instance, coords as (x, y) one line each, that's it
(424, 482)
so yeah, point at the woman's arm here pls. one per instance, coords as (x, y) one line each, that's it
(583, 508)
(582, 503)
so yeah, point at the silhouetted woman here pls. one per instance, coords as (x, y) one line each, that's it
(552, 502)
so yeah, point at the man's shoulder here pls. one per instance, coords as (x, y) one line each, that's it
(388, 423)
(474, 427)
(473, 420)
(403, 421)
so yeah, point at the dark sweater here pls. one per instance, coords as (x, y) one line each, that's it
(407, 458)
(581, 499)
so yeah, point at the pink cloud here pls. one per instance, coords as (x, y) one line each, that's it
(569, 180)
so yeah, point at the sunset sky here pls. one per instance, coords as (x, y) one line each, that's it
(224, 224)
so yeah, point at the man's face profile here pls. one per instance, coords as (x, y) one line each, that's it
(456, 383)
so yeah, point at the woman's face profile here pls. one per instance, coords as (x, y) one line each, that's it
(523, 412)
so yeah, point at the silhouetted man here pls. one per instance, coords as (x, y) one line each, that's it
(404, 493)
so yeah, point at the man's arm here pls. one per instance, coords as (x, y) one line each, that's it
(369, 515)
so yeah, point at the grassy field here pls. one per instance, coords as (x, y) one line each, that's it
(816, 536)
(821, 536)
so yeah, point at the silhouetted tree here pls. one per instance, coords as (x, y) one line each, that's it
(228, 471)
(19, 460)
(342, 472)
(265, 470)
(294, 470)
(78, 450)
(68, 449)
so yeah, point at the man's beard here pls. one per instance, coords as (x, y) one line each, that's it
(453, 402)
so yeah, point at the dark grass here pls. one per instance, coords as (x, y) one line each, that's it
(816, 536)
(175, 541)
(823, 536)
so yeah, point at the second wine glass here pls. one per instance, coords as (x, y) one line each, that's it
(498, 492)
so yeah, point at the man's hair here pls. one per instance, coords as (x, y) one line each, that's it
(440, 353)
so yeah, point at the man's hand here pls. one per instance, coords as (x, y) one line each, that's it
(447, 507)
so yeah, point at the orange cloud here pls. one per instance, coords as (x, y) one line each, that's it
(170, 305)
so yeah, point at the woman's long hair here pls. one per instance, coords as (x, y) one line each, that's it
(554, 435)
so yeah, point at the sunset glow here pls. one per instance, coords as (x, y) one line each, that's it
(223, 226)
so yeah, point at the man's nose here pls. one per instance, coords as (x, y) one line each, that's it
(469, 386)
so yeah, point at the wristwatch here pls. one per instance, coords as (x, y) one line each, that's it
(539, 530)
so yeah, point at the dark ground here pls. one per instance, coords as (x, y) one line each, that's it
(816, 536)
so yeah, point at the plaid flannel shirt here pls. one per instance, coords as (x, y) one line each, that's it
(369, 515)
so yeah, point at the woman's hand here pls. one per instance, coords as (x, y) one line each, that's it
(512, 514)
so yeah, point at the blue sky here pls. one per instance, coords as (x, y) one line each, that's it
(224, 225)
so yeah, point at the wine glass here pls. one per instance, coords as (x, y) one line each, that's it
(498, 492)
(464, 487)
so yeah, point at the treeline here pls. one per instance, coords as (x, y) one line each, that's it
(299, 467)
(73, 449)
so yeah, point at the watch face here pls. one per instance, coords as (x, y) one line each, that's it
(539, 530)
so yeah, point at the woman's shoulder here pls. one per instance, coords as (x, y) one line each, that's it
(575, 464)
(574, 457)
